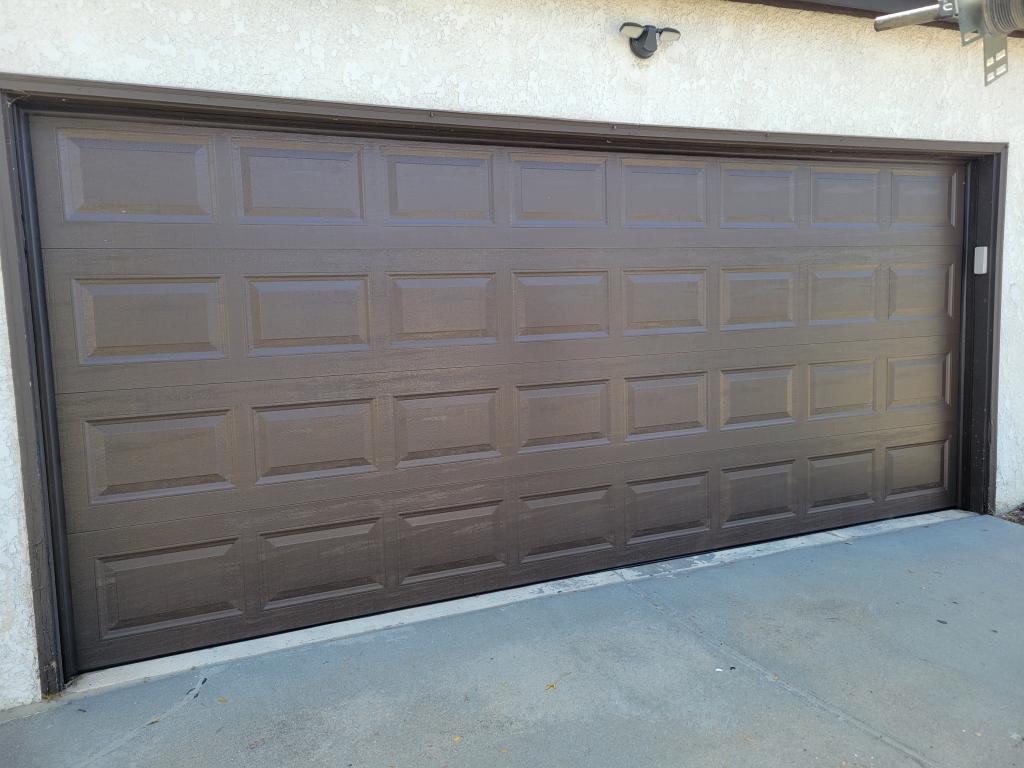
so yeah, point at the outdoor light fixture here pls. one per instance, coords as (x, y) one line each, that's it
(987, 20)
(644, 38)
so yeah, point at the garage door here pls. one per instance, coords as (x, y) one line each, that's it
(307, 377)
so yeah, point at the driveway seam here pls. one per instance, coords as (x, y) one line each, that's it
(717, 644)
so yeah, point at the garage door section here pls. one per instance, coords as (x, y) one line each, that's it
(302, 377)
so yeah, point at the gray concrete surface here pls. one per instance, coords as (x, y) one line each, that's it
(901, 649)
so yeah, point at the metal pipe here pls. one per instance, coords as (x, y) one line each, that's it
(908, 18)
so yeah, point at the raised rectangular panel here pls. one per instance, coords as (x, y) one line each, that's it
(757, 397)
(452, 426)
(563, 416)
(322, 562)
(758, 195)
(758, 494)
(307, 314)
(135, 176)
(166, 455)
(564, 524)
(664, 301)
(840, 482)
(439, 186)
(843, 295)
(842, 389)
(168, 588)
(666, 406)
(439, 310)
(561, 305)
(558, 190)
(758, 297)
(919, 381)
(666, 508)
(300, 182)
(915, 469)
(313, 440)
(923, 198)
(663, 193)
(147, 320)
(844, 197)
(920, 291)
(450, 542)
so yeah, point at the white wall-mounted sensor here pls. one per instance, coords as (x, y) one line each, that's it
(981, 260)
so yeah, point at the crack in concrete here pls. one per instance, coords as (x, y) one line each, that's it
(191, 695)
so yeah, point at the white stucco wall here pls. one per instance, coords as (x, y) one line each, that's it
(736, 66)
(19, 681)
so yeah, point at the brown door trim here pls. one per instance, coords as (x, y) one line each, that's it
(114, 98)
(985, 201)
(34, 397)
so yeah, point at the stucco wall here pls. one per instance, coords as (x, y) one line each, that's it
(19, 682)
(736, 66)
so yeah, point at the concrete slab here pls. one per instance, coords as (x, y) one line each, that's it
(829, 655)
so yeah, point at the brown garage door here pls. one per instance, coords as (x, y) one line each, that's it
(304, 377)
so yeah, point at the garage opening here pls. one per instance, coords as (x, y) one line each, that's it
(303, 377)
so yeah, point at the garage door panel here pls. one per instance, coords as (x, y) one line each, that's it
(306, 314)
(142, 320)
(349, 559)
(925, 198)
(664, 192)
(455, 189)
(848, 197)
(239, 325)
(134, 458)
(917, 468)
(84, 379)
(667, 507)
(249, 445)
(104, 172)
(410, 382)
(138, 582)
(302, 377)
(300, 441)
(568, 516)
(759, 493)
(316, 181)
(85, 517)
(841, 482)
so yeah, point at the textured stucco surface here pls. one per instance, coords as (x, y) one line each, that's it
(19, 682)
(736, 66)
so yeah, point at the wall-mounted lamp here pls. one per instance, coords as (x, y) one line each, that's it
(644, 38)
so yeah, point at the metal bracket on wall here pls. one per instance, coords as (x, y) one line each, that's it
(987, 20)
(996, 61)
(973, 27)
(971, 20)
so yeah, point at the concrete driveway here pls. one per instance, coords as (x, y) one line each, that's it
(901, 648)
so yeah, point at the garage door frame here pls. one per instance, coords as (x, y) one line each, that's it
(20, 258)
